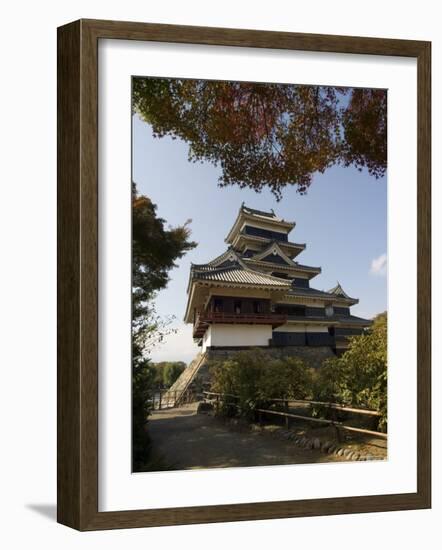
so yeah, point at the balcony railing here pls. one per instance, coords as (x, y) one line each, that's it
(205, 318)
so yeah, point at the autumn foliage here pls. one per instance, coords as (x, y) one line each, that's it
(268, 134)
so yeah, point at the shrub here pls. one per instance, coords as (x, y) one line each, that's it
(256, 378)
(359, 376)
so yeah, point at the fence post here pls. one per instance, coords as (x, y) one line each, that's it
(159, 402)
(337, 432)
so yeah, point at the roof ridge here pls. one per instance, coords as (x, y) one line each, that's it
(221, 267)
(270, 214)
(296, 265)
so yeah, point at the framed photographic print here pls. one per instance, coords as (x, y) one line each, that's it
(244, 275)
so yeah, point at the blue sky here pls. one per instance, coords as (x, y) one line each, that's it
(342, 219)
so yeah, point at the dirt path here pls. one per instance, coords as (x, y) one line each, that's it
(187, 440)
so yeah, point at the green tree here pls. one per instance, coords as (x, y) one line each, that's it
(142, 383)
(268, 134)
(256, 378)
(172, 371)
(359, 376)
(284, 378)
(167, 372)
(155, 250)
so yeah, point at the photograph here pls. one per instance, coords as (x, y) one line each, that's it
(259, 274)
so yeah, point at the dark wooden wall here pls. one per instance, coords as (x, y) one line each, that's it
(267, 234)
(302, 339)
(247, 304)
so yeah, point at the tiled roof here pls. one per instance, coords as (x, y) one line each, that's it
(294, 266)
(237, 275)
(266, 240)
(232, 255)
(258, 215)
(263, 214)
(309, 292)
(255, 212)
(313, 292)
(311, 318)
(335, 319)
(339, 291)
(307, 267)
(274, 249)
(353, 320)
(202, 267)
(225, 256)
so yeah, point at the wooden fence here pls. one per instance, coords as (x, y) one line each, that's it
(289, 416)
(166, 399)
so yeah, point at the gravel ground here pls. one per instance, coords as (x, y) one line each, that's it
(186, 440)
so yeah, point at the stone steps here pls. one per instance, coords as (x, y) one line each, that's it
(184, 381)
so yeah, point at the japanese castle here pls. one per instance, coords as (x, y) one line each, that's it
(257, 295)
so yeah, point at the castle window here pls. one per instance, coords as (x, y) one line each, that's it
(217, 305)
(237, 307)
(257, 307)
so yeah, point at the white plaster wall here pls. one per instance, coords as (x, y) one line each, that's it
(238, 335)
(206, 339)
(316, 328)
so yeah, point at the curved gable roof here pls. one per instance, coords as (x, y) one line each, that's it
(339, 291)
(229, 268)
(273, 250)
(229, 257)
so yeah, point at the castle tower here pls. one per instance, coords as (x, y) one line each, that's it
(256, 294)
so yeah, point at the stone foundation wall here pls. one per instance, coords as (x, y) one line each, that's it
(312, 356)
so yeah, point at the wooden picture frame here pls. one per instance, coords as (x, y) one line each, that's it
(78, 274)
